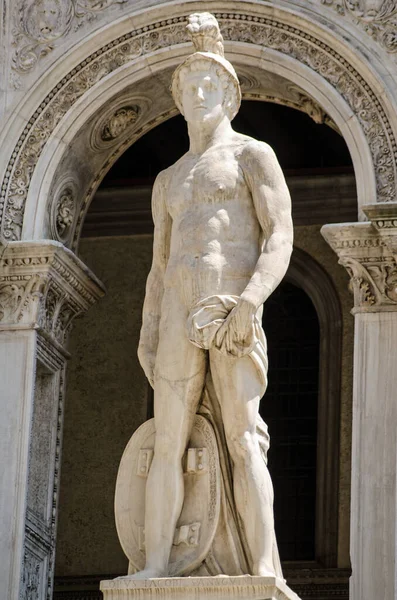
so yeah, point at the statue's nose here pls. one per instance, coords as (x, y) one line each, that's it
(200, 93)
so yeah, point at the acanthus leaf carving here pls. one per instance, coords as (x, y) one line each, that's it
(378, 18)
(368, 256)
(44, 288)
(372, 285)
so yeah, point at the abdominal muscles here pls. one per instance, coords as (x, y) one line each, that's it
(209, 255)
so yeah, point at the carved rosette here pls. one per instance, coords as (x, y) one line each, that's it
(63, 210)
(45, 286)
(369, 251)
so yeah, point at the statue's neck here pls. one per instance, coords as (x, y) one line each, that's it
(204, 135)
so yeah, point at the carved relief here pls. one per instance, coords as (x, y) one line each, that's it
(64, 213)
(19, 296)
(122, 119)
(264, 32)
(44, 287)
(31, 583)
(370, 261)
(378, 18)
(39, 23)
(371, 284)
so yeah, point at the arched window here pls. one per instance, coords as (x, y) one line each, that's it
(289, 408)
(302, 322)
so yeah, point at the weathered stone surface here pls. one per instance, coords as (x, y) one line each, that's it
(244, 587)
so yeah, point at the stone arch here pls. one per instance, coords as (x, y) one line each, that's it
(280, 41)
(306, 273)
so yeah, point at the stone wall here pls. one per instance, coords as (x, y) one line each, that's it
(107, 394)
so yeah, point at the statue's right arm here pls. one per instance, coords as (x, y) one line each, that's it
(149, 337)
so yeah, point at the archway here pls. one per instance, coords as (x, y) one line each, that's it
(44, 145)
(37, 178)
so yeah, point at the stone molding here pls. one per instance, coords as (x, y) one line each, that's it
(313, 583)
(242, 587)
(377, 18)
(44, 286)
(368, 252)
(263, 32)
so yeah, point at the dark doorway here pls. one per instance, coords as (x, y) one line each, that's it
(289, 408)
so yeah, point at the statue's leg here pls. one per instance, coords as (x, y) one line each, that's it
(239, 390)
(178, 384)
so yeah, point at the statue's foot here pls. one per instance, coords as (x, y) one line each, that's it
(145, 574)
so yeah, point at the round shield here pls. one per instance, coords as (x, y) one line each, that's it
(198, 521)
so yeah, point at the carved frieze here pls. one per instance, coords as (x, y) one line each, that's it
(378, 18)
(44, 286)
(268, 33)
(63, 211)
(370, 259)
(39, 24)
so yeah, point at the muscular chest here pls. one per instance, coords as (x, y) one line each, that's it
(214, 178)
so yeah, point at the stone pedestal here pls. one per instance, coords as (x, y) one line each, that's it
(368, 251)
(243, 587)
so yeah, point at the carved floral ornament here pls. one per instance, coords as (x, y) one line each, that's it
(268, 33)
(42, 285)
(371, 263)
(64, 209)
(378, 18)
(39, 23)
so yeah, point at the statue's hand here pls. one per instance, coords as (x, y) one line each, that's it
(236, 336)
(147, 360)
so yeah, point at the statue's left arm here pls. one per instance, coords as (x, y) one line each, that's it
(272, 204)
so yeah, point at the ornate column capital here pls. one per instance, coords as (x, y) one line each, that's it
(44, 286)
(369, 253)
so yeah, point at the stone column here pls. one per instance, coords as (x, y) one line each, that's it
(43, 287)
(368, 251)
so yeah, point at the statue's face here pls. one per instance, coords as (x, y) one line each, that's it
(202, 96)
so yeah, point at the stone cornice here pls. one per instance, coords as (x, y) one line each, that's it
(44, 286)
(368, 252)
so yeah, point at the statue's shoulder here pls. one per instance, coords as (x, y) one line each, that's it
(254, 150)
(163, 178)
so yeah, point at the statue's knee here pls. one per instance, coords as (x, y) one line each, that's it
(242, 446)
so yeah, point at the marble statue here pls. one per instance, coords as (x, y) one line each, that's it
(222, 244)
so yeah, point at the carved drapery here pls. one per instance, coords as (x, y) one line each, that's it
(369, 251)
(269, 33)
